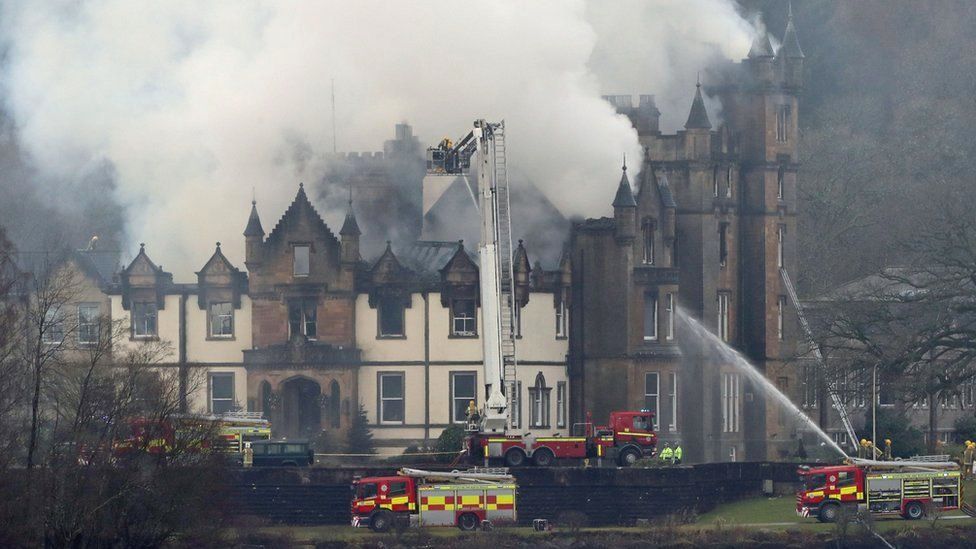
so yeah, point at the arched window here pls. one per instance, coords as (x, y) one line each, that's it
(334, 399)
(539, 397)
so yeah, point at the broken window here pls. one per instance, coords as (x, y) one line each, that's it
(784, 117)
(302, 318)
(390, 312)
(723, 244)
(463, 319)
(649, 242)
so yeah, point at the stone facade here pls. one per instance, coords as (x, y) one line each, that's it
(709, 227)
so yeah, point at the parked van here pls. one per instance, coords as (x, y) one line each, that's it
(282, 453)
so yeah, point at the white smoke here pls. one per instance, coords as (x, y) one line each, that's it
(197, 103)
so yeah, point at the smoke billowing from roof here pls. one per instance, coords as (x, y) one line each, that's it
(194, 104)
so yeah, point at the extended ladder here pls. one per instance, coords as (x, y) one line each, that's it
(507, 306)
(831, 384)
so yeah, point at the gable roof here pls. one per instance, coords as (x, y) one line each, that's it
(299, 207)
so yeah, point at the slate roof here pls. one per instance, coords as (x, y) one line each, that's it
(254, 227)
(625, 195)
(698, 117)
(791, 44)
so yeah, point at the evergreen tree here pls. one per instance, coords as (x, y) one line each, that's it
(359, 439)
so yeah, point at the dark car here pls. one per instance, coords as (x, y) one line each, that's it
(283, 453)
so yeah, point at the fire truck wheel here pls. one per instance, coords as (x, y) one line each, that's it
(381, 521)
(515, 458)
(543, 457)
(468, 522)
(829, 512)
(629, 457)
(914, 511)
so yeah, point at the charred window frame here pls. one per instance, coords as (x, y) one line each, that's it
(390, 319)
(464, 318)
(302, 318)
(648, 234)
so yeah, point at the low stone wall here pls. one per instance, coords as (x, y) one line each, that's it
(607, 496)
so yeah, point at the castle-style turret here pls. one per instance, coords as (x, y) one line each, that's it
(625, 209)
(790, 56)
(761, 59)
(253, 238)
(350, 237)
(697, 134)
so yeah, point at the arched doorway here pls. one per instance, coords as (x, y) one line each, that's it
(301, 408)
(334, 399)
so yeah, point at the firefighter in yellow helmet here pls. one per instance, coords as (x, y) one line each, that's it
(967, 459)
(667, 454)
(473, 416)
(887, 450)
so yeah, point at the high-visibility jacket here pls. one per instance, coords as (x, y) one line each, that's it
(677, 453)
(667, 453)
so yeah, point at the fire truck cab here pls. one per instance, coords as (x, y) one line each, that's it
(426, 498)
(895, 488)
(628, 437)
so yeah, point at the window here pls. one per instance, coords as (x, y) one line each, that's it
(968, 393)
(652, 390)
(840, 438)
(780, 306)
(390, 313)
(649, 242)
(780, 175)
(397, 489)
(301, 260)
(650, 317)
(391, 397)
(945, 437)
(515, 404)
(780, 239)
(562, 319)
(302, 318)
(144, 319)
(861, 392)
(463, 320)
(87, 323)
(730, 403)
(221, 393)
(463, 392)
(886, 394)
(669, 309)
(561, 404)
(221, 319)
(728, 182)
(53, 331)
(783, 384)
(723, 315)
(809, 383)
(715, 181)
(784, 115)
(723, 244)
(539, 395)
(673, 397)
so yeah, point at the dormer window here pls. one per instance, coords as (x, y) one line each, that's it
(390, 312)
(301, 262)
(221, 320)
(463, 319)
(144, 319)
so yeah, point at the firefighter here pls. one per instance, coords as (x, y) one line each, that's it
(248, 455)
(887, 451)
(967, 458)
(473, 416)
(667, 454)
(677, 454)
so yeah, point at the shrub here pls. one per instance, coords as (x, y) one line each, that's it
(965, 428)
(359, 438)
(451, 441)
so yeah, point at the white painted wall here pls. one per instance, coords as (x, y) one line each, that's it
(202, 349)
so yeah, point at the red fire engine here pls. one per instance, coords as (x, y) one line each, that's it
(906, 488)
(629, 436)
(425, 498)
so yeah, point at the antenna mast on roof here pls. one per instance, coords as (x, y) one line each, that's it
(333, 121)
